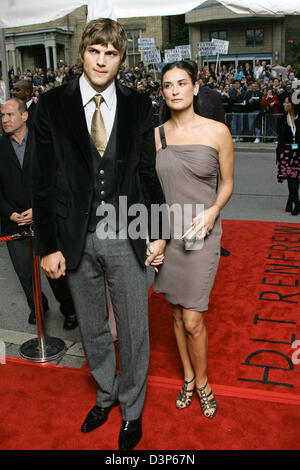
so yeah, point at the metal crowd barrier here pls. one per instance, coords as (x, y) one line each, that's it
(262, 126)
(43, 348)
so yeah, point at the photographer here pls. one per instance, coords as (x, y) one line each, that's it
(237, 99)
(253, 99)
(270, 104)
(224, 92)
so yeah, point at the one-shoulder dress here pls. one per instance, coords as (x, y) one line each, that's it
(188, 175)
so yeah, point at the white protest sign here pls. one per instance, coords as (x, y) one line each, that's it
(186, 52)
(152, 57)
(221, 45)
(147, 48)
(206, 48)
(172, 55)
(146, 44)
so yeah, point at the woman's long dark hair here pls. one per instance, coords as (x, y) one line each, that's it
(295, 105)
(191, 69)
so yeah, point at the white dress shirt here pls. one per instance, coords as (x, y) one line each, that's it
(107, 107)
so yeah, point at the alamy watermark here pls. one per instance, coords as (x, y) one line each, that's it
(296, 354)
(134, 221)
(296, 92)
(2, 352)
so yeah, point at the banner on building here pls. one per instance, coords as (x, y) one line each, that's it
(20, 13)
(220, 45)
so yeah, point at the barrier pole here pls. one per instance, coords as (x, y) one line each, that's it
(43, 348)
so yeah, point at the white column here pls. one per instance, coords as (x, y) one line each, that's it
(4, 62)
(67, 56)
(21, 60)
(14, 61)
(54, 52)
(48, 61)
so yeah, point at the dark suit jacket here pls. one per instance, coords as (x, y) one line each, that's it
(31, 114)
(14, 183)
(211, 104)
(63, 172)
(284, 134)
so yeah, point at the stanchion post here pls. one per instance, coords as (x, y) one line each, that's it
(38, 303)
(43, 348)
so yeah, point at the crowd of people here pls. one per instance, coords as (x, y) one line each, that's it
(64, 166)
(254, 92)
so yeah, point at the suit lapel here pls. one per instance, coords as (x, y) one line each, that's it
(28, 150)
(12, 156)
(125, 121)
(75, 118)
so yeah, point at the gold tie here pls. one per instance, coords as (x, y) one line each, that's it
(98, 132)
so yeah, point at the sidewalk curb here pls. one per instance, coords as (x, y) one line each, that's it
(255, 148)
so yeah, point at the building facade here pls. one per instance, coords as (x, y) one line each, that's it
(250, 37)
(46, 45)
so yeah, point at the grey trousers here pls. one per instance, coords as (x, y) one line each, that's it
(127, 283)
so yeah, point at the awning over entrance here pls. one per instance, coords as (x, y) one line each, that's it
(49, 38)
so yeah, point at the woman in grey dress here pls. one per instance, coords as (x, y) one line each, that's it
(191, 150)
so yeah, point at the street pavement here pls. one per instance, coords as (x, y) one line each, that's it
(257, 196)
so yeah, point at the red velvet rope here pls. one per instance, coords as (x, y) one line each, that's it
(16, 236)
(6, 239)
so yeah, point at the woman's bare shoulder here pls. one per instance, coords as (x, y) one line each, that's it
(211, 123)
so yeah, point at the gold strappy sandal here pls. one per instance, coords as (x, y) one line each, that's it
(185, 395)
(207, 404)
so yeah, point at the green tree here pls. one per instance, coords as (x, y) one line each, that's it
(181, 35)
(296, 68)
(294, 52)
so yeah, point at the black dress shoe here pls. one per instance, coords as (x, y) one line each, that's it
(70, 322)
(130, 434)
(96, 417)
(32, 317)
(289, 205)
(296, 210)
(224, 252)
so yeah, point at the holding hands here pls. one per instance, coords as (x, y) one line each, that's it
(155, 253)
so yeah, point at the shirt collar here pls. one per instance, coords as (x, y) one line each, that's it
(28, 103)
(23, 141)
(88, 92)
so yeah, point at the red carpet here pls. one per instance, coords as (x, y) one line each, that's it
(254, 309)
(252, 320)
(42, 408)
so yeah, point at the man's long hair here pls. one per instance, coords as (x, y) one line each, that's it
(102, 31)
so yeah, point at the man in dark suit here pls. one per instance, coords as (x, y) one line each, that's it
(95, 144)
(211, 104)
(237, 100)
(211, 107)
(23, 90)
(16, 151)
